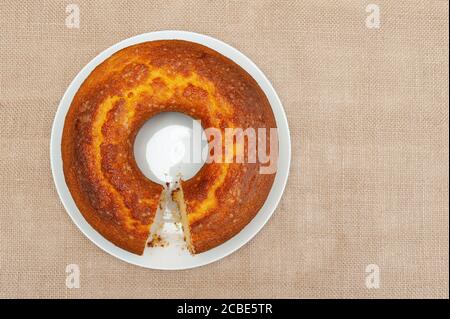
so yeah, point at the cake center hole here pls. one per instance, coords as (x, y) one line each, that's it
(169, 146)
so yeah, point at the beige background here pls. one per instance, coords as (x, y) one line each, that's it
(368, 113)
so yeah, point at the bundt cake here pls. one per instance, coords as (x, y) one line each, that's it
(111, 105)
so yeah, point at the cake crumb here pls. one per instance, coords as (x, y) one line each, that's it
(156, 241)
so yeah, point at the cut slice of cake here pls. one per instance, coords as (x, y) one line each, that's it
(178, 198)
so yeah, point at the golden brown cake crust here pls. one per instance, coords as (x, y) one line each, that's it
(112, 104)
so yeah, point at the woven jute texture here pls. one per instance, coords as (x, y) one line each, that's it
(368, 115)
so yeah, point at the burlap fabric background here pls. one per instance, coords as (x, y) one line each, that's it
(368, 113)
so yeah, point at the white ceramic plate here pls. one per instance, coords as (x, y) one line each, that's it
(174, 257)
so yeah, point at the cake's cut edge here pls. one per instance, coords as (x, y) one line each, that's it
(158, 220)
(178, 198)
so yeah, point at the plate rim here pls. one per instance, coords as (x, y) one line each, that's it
(284, 159)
